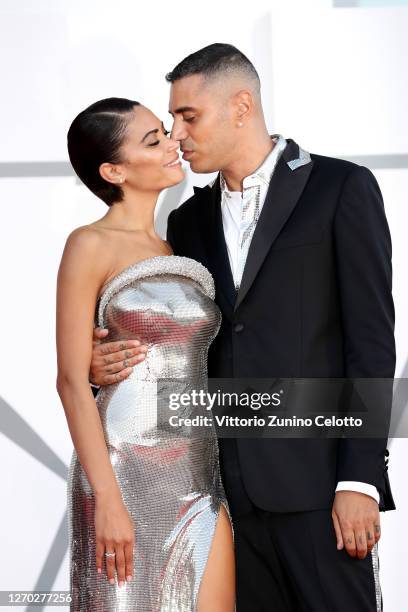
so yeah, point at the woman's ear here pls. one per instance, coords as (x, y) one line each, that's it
(111, 173)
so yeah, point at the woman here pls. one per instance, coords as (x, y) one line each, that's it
(145, 498)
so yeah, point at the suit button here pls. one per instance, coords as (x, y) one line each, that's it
(238, 327)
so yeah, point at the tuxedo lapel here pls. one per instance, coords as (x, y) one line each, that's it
(288, 181)
(215, 246)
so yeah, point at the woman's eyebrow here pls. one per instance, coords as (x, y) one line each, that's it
(148, 134)
(152, 132)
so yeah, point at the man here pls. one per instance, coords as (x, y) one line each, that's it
(300, 251)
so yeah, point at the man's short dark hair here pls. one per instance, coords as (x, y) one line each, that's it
(212, 61)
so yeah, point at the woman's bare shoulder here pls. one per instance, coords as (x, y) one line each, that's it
(86, 248)
(85, 234)
(87, 239)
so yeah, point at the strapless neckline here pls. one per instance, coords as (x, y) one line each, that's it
(150, 266)
(127, 268)
(142, 261)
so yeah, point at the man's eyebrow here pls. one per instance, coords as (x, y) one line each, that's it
(182, 109)
(151, 132)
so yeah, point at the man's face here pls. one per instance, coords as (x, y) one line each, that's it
(203, 123)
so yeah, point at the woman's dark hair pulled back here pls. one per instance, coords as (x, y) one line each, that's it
(95, 137)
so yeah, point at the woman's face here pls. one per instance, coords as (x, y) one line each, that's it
(150, 157)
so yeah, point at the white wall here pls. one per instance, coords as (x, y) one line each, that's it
(334, 79)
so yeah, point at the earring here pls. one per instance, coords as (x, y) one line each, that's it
(240, 124)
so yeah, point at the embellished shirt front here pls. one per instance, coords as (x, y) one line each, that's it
(240, 210)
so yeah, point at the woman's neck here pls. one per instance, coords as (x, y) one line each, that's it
(134, 213)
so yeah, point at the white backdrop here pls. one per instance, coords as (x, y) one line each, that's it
(334, 78)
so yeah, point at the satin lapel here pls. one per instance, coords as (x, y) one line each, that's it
(284, 191)
(214, 240)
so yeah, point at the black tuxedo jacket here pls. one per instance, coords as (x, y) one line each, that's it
(315, 301)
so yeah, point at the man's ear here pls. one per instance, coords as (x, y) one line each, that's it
(111, 173)
(243, 106)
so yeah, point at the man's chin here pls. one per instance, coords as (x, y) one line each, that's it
(200, 168)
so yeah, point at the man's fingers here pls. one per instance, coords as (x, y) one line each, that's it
(372, 529)
(107, 348)
(377, 530)
(113, 361)
(99, 333)
(120, 356)
(121, 365)
(349, 539)
(361, 542)
(370, 536)
(337, 529)
(111, 379)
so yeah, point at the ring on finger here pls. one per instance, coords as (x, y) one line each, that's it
(125, 363)
(110, 554)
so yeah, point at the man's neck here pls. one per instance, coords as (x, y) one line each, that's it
(247, 163)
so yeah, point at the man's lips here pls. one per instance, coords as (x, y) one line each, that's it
(187, 154)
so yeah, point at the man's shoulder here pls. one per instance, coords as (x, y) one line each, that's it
(293, 153)
(343, 171)
(333, 164)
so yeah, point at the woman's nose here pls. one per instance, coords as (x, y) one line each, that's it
(173, 144)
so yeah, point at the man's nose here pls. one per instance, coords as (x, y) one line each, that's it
(178, 132)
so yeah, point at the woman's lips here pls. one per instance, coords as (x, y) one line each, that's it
(176, 163)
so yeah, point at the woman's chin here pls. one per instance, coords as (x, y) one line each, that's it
(178, 177)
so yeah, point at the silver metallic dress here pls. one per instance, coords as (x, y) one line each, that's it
(169, 480)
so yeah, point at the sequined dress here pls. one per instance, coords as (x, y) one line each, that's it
(169, 479)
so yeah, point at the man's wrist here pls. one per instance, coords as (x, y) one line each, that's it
(359, 487)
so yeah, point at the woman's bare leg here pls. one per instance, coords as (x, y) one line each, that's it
(217, 589)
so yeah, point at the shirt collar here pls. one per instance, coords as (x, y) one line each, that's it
(262, 175)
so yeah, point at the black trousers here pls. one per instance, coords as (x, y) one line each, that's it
(289, 562)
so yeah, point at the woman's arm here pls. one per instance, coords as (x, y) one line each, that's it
(80, 275)
(83, 269)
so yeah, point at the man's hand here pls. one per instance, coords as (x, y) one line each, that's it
(113, 361)
(356, 520)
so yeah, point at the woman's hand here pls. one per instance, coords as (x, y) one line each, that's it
(115, 532)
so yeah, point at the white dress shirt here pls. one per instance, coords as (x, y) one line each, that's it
(240, 212)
